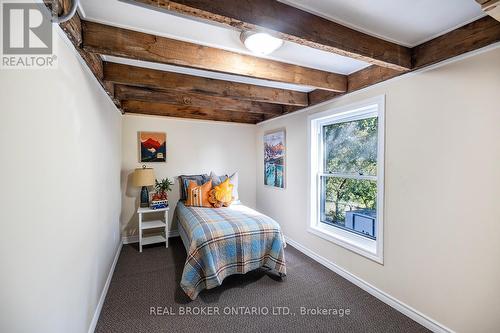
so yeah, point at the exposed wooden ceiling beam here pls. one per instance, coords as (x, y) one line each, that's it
(72, 27)
(168, 110)
(189, 99)
(119, 42)
(467, 38)
(363, 78)
(317, 96)
(470, 37)
(73, 30)
(151, 78)
(369, 76)
(293, 25)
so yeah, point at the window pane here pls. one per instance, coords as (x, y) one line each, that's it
(351, 147)
(350, 204)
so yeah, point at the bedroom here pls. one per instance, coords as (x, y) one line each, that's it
(348, 163)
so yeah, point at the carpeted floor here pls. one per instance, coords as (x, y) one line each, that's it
(151, 280)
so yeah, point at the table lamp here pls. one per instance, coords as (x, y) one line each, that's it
(144, 177)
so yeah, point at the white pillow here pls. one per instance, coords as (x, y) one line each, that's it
(233, 179)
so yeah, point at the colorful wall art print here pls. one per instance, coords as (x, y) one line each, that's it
(153, 146)
(274, 158)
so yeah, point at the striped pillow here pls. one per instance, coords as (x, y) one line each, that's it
(197, 195)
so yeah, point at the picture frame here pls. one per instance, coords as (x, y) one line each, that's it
(275, 158)
(152, 147)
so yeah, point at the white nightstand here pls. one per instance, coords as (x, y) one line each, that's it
(143, 225)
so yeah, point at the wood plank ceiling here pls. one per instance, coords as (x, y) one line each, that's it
(150, 91)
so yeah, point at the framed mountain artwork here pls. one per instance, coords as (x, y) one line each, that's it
(152, 146)
(274, 158)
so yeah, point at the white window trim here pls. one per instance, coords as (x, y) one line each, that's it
(372, 249)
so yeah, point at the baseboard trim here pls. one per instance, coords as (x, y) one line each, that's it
(405, 309)
(104, 292)
(135, 238)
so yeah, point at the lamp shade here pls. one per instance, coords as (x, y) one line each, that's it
(144, 177)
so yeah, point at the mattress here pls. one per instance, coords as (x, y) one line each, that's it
(223, 241)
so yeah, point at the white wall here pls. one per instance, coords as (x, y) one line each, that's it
(442, 192)
(60, 199)
(193, 147)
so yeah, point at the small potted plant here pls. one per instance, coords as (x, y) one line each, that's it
(162, 187)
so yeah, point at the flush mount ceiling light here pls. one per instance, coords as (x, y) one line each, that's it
(260, 43)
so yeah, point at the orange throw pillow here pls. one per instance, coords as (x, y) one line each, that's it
(197, 195)
(221, 195)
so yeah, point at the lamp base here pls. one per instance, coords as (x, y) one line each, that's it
(144, 197)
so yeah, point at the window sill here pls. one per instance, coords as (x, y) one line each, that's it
(352, 242)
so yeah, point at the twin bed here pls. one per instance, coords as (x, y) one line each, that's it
(223, 241)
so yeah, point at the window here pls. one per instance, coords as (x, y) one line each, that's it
(346, 156)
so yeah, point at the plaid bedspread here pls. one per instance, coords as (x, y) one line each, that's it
(224, 241)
